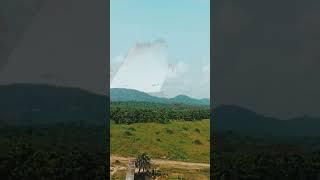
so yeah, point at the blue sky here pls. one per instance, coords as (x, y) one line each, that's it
(183, 24)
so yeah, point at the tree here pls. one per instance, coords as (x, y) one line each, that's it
(143, 162)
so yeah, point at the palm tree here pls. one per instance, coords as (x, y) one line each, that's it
(143, 162)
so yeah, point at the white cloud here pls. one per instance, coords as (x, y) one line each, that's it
(117, 59)
(177, 70)
(193, 82)
(144, 68)
(115, 63)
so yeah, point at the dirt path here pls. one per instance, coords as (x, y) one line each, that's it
(115, 169)
(166, 163)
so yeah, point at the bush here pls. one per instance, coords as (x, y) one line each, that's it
(131, 129)
(185, 128)
(197, 142)
(164, 121)
(156, 173)
(128, 133)
(169, 131)
(197, 130)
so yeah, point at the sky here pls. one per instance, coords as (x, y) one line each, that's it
(267, 56)
(267, 62)
(64, 44)
(184, 27)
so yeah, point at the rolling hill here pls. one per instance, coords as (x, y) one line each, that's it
(120, 94)
(175, 140)
(238, 119)
(35, 103)
(31, 103)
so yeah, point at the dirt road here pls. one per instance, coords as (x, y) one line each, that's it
(166, 163)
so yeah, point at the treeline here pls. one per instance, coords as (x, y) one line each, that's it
(264, 166)
(133, 112)
(55, 151)
(25, 162)
(248, 157)
(152, 105)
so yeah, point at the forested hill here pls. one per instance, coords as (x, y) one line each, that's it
(34, 103)
(30, 103)
(143, 112)
(120, 94)
(242, 120)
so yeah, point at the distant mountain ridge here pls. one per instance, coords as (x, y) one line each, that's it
(34, 103)
(120, 94)
(238, 119)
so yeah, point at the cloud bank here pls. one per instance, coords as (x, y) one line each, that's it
(148, 68)
(144, 68)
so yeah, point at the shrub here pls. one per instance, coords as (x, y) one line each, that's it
(185, 128)
(197, 130)
(169, 131)
(131, 129)
(197, 142)
(128, 133)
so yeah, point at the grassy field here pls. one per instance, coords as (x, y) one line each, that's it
(178, 140)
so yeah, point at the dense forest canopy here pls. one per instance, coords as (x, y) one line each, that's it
(142, 112)
(238, 156)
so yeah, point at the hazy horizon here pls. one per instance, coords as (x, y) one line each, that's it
(162, 95)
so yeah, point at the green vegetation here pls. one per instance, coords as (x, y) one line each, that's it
(143, 162)
(126, 95)
(185, 174)
(245, 121)
(240, 156)
(59, 133)
(248, 145)
(173, 140)
(56, 151)
(50, 132)
(160, 171)
(142, 112)
(166, 131)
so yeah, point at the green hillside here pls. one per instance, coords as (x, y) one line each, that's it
(28, 104)
(120, 94)
(177, 140)
(242, 120)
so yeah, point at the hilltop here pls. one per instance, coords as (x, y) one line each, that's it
(121, 94)
(243, 120)
(34, 103)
